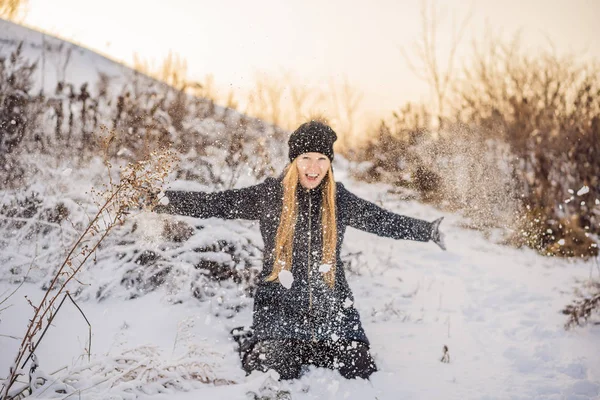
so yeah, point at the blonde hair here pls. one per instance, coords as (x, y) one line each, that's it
(284, 240)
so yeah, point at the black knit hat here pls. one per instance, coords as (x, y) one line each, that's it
(312, 137)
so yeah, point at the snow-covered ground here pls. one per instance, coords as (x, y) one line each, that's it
(496, 308)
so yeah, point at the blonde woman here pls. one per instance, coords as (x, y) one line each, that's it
(304, 310)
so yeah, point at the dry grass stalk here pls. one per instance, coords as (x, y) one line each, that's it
(137, 186)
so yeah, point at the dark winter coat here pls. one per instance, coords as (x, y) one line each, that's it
(309, 310)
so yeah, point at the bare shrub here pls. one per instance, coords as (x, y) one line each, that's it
(286, 101)
(177, 231)
(18, 110)
(458, 168)
(114, 202)
(547, 109)
(173, 70)
(521, 152)
(438, 74)
(585, 306)
(138, 371)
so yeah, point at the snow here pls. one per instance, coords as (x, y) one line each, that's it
(324, 268)
(163, 199)
(496, 308)
(347, 303)
(151, 226)
(584, 189)
(286, 278)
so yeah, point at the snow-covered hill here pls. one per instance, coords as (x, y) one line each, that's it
(59, 60)
(160, 325)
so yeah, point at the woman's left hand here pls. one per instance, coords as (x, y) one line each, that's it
(436, 235)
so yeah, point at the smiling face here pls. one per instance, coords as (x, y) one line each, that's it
(312, 168)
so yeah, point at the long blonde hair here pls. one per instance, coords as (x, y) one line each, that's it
(284, 240)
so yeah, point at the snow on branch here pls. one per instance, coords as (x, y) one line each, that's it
(137, 187)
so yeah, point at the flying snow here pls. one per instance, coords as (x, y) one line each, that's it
(164, 200)
(286, 278)
(584, 189)
(324, 268)
(151, 226)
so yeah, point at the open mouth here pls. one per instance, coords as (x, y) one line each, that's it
(312, 177)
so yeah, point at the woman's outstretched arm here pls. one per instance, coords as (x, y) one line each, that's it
(228, 204)
(364, 215)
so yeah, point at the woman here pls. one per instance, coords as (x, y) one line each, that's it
(304, 310)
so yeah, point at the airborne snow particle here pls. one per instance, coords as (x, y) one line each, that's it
(286, 278)
(334, 337)
(164, 200)
(347, 302)
(324, 268)
(561, 242)
(584, 189)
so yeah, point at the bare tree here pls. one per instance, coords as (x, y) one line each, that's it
(173, 71)
(300, 96)
(346, 103)
(266, 99)
(428, 66)
(208, 89)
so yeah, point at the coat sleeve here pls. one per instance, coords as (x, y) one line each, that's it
(228, 204)
(366, 216)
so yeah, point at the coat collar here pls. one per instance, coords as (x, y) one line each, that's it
(314, 193)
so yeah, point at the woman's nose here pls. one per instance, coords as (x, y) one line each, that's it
(312, 165)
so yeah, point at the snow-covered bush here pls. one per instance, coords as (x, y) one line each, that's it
(458, 169)
(142, 370)
(585, 308)
(18, 109)
(520, 149)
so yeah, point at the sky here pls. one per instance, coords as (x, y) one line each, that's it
(359, 41)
